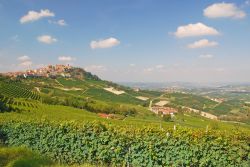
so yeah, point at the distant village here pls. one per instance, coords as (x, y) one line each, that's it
(47, 71)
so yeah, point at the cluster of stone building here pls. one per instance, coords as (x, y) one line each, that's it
(47, 71)
(160, 108)
(163, 110)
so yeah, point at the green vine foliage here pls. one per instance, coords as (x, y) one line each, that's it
(96, 143)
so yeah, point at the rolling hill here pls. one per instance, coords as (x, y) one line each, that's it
(74, 87)
(79, 118)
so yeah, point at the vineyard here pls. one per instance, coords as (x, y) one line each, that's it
(12, 89)
(98, 143)
(14, 104)
(5, 103)
(64, 125)
(192, 101)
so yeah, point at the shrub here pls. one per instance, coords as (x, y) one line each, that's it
(166, 118)
(98, 143)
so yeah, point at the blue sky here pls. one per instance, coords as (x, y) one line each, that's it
(130, 40)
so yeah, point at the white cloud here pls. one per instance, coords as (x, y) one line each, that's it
(223, 10)
(159, 66)
(132, 65)
(203, 43)
(95, 68)
(206, 56)
(23, 58)
(61, 22)
(26, 63)
(15, 38)
(150, 69)
(58, 22)
(66, 58)
(198, 29)
(247, 2)
(106, 43)
(33, 15)
(46, 39)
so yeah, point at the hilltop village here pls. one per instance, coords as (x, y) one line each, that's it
(47, 71)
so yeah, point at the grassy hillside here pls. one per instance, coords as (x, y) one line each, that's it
(229, 109)
(24, 157)
(192, 101)
(90, 95)
(20, 157)
(143, 118)
(62, 118)
(17, 90)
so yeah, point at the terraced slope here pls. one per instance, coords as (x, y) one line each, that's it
(13, 89)
(192, 101)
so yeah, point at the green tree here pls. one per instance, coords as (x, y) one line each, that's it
(166, 117)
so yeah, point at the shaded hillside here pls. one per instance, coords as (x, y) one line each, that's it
(80, 73)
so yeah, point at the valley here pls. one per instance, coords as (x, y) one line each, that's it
(37, 103)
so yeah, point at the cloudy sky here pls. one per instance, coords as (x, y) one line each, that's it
(130, 40)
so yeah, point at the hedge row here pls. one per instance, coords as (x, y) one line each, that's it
(96, 143)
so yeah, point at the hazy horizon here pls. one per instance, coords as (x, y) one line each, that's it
(132, 40)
